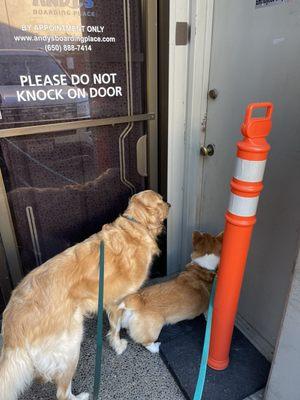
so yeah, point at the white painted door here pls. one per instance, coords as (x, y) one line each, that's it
(256, 57)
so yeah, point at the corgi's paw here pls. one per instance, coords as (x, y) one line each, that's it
(153, 347)
(82, 396)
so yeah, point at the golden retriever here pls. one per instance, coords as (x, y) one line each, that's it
(43, 322)
(144, 313)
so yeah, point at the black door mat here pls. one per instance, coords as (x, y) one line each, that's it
(181, 348)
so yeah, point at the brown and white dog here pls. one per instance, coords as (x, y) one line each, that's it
(185, 297)
(43, 322)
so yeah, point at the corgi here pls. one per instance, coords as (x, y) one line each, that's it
(43, 322)
(144, 313)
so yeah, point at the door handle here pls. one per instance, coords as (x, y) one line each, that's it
(141, 155)
(208, 150)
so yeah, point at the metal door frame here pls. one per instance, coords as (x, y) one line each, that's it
(5, 283)
(149, 29)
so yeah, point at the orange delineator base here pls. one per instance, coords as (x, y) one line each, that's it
(236, 243)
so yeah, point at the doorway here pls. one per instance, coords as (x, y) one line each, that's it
(246, 51)
(253, 59)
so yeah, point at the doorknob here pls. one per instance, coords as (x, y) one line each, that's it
(207, 150)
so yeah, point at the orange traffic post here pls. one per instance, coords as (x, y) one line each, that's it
(246, 186)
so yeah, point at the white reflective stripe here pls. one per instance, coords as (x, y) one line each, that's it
(242, 206)
(249, 171)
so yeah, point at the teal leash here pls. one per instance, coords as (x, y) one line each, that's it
(98, 362)
(205, 351)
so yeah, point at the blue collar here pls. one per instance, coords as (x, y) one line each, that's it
(130, 218)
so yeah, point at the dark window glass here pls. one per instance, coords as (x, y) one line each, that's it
(97, 45)
(63, 187)
(12, 66)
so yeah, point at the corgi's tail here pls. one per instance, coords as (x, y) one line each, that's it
(16, 373)
(130, 306)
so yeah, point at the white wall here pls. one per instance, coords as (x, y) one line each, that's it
(284, 382)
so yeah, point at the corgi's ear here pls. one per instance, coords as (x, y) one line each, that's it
(219, 236)
(196, 238)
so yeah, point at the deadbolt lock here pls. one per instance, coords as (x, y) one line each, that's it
(207, 150)
(213, 94)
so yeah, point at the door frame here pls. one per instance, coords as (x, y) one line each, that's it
(5, 283)
(149, 29)
(188, 87)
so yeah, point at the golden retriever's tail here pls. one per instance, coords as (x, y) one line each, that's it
(16, 373)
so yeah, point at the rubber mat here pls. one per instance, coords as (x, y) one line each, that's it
(181, 347)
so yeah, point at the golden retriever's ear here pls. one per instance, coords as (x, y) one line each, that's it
(196, 238)
(219, 236)
(132, 199)
(136, 201)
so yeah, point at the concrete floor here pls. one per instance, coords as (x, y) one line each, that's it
(137, 374)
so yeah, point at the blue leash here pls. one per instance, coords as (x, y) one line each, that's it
(205, 351)
(98, 362)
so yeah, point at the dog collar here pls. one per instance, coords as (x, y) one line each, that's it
(130, 218)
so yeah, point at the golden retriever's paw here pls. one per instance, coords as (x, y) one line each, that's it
(120, 346)
(83, 396)
(153, 347)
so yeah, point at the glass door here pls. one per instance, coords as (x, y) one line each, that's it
(77, 114)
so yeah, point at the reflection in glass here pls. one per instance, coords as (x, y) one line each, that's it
(22, 103)
(49, 38)
(63, 187)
